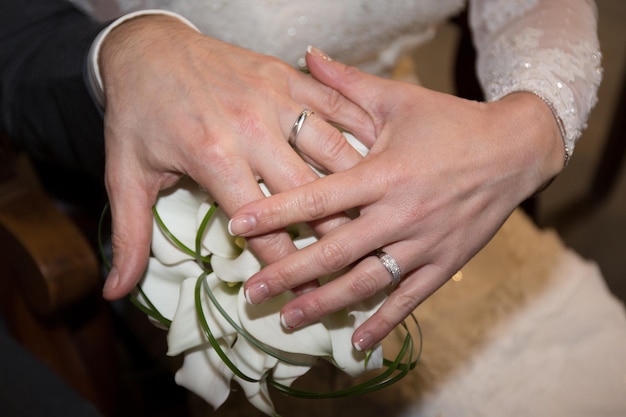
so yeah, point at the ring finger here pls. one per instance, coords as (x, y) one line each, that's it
(330, 152)
(367, 278)
(321, 144)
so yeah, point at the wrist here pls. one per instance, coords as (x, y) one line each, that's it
(535, 136)
(94, 73)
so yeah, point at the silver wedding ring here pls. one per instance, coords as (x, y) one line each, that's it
(293, 135)
(391, 265)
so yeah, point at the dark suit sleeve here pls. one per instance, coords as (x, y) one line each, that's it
(46, 108)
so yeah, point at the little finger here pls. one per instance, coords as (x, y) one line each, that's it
(414, 288)
(363, 281)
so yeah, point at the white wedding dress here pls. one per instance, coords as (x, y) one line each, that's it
(547, 47)
(531, 330)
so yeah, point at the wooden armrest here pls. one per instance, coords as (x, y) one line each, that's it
(42, 249)
(50, 285)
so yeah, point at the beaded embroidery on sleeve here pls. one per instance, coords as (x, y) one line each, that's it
(549, 48)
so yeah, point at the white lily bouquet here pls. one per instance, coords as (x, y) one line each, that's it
(193, 287)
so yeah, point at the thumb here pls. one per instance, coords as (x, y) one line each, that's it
(131, 213)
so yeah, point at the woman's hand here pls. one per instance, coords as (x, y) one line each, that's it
(441, 178)
(179, 103)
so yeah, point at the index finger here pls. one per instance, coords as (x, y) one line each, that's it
(336, 193)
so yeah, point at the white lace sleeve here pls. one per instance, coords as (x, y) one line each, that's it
(547, 47)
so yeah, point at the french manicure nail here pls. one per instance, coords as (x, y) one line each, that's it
(363, 343)
(291, 318)
(317, 52)
(257, 293)
(239, 226)
(112, 280)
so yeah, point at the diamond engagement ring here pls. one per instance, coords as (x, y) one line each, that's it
(391, 265)
(293, 136)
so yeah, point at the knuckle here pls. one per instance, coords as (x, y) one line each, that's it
(365, 284)
(273, 68)
(352, 72)
(112, 181)
(317, 306)
(388, 318)
(332, 146)
(403, 304)
(385, 324)
(281, 279)
(333, 256)
(271, 246)
(223, 162)
(118, 175)
(281, 283)
(120, 241)
(268, 219)
(247, 121)
(314, 204)
(333, 102)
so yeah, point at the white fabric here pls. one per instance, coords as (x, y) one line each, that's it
(547, 47)
(531, 330)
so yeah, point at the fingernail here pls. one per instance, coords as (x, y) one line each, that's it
(112, 280)
(317, 52)
(240, 225)
(257, 293)
(363, 343)
(291, 318)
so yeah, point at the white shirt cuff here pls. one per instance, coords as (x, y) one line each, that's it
(94, 79)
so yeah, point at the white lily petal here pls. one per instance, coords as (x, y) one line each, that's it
(161, 284)
(237, 269)
(204, 373)
(341, 326)
(356, 144)
(303, 242)
(177, 209)
(185, 331)
(262, 321)
(257, 396)
(250, 360)
(216, 238)
(257, 393)
(345, 357)
(254, 363)
(286, 373)
(264, 189)
(365, 309)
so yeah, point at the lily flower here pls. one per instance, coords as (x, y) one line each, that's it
(193, 287)
(169, 286)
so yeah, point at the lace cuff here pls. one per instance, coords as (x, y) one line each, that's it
(548, 48)
(94, 79)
